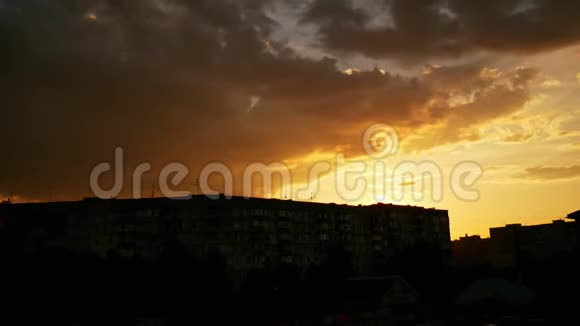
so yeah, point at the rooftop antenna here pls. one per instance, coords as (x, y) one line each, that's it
(10, 198)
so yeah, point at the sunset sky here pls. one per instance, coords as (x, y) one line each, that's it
(496, 82)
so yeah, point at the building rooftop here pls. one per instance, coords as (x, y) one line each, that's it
(218, 199)
(574, 215)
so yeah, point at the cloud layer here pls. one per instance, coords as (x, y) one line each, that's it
(424, 29)
(203, 81)
(544, 173)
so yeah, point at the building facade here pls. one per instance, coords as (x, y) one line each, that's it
(249, 233)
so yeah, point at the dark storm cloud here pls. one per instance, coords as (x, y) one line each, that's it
(427, 29)
(197, 81)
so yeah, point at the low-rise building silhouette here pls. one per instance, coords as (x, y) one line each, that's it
(470, 251)
(515, 244)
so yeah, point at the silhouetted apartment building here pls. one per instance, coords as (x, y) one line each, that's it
(249, 233)
(514, 244)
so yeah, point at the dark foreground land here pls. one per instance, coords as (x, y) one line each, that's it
(180, 290)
